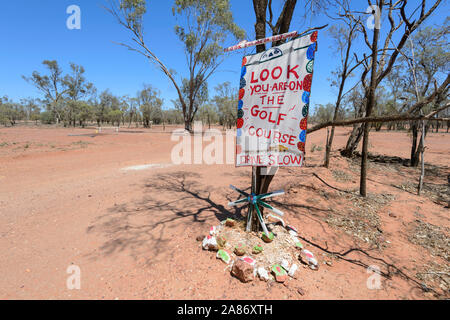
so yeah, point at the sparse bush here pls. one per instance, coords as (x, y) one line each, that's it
(47, 117)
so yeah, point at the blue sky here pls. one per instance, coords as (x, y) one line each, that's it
(32, 31)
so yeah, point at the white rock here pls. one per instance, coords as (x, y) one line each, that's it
(293, 233)
(210, 243)
(213, 230)
(213, 243)
(313, 264)
(285, 264)
(292, 270)
(308, 257)
(205, 243)
(308, 253)
(263, 274)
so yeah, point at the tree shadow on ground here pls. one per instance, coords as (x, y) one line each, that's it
(313, 213)
(386, 269)
(172, 203)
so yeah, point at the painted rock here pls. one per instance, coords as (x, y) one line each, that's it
(308, 258)
(257, 249)
(230, 222)
(213, 230)
(209, 243)
(267, 238)
(249, 260)
(205, 242)
(221, 240)
(213, 244)
(299, 245)
(285, 264)
(313, 264)
(293, 233)
(239, 250)
(263, 274)
(242, 270)
(224, 255)
(279, 273)
(292, 270)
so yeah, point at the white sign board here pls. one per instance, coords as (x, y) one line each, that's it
(273, 104)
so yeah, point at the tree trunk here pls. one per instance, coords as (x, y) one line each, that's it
(417, 150)
(353, 141)
(260, 184)
(329, 144)
(413, 160)
(284, 21)
(260, 7)
(422, 150)
(378, 126)
(370, 104)
(187, 125)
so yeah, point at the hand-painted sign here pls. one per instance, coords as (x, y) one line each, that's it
(273, 104)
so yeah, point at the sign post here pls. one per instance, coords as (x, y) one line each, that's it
(273, 108)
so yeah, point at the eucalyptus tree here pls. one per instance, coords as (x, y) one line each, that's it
(108, 102)
(85, 112)
(343, 36)
(225, 100)
(426, 59)
(150, 104)
(31, 109)
(11, 112)
(204, 25)
(382, 51)
(208, 114)
(52, 85)
(77, 88)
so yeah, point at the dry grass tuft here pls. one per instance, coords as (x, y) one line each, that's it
(431, 237)
(341, 176)
(436, 275)
(438, 193)
(362, 221)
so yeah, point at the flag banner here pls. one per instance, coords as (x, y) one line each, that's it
(273, 105)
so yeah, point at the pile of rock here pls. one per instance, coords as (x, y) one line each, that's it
(245, 267)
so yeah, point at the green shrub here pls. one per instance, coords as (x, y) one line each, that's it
(47, 117)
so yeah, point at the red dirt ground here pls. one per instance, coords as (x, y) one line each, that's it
(65, 200)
